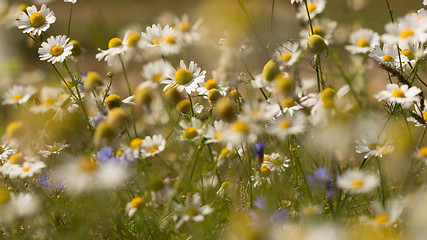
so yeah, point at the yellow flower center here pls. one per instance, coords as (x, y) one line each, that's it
(270, 71)
(53, 149)
(16, 158)
(388, 58)
(266, 159)
(170, 39)
(26, 169)
(311, 7)
(86, 164)
(286, 57)
(190, 133)
(255, 113)
(240, 126)
(374, 145)
(137, 202)
(425, 116)
(287, 103)
(17, 97)
(357, 183)
(408, 53)
(423, 152)
(183, 76)
(4, 195)
(363, 42)
(133, 38)
(328, 94)
(37, 20)
(264, 171)
(285, 124)
(278, 161)
(157, 77)
(382, 218)
(407, 33)
(49, 102)
(318, 30)
(156, 40)
(56, 51)
(211, 84)
(184, 26)
(154, 148)
(398, 93)
(136, 142)
(115, 42)
(218, 135)
(310, 210)
(192, 212)
(225, 152)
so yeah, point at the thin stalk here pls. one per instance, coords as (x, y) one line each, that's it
(422, 137)
(191, 104)
(69, 20)
(130, 94)
(309, 18)
(271, 24)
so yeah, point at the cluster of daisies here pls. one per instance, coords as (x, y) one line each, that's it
(187, 148)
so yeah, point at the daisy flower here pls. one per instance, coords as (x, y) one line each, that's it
(50, 98)
(133, 206)
(185, 78)
(56, 49)
(287, 125)
(215, 132)
(323, 27)
(287, 105)
(386, 215)
(192, 210)
(20, 205)
(363, 41)
(403, 95)
(270, 73)
(288, 53)
(130, 40)
(5, 153)
(156, 71)
(152, 146)
(357, 181)
(18, 94)
(209, 85)
(421, 113)
(164, 40)
(35, 22)
(192, 130)
(407, 30)
(185, 30)
(387, 56)
(276, 162)
(240, 131)
(262, 176)
(113, 53)
(55, 149)
(374, 146)
(315, 7)
(21, 166)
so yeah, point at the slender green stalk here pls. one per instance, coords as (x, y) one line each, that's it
(191, 104)
(130, 94)
(422, 137)
(69, 20)
(309, 18)
(271, 24)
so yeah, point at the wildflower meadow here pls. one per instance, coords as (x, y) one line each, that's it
(213, 119)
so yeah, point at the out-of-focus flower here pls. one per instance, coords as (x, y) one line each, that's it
(357, 181)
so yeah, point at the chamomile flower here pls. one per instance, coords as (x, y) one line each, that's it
(408, 30)
(287, 105)
(191, 130)
(315, 7)
(276, 162)
(357, 181)
(215, 132)
(403, 95)
(163, 40)
(209, 85)
(50, 99)
(185, 78)
(288, 53)
(363, 41)
(113, 53)
(156, 71)
(130, 40)
(262, 176)
(187, 31)
(386, 215)
(192, 210)
(20, 205)
(21, 166)
(240, 131)
(56, 49)
(18, 94)
(35, 22)
(288, 125)
(5, 152)
(55, 149)
(323, 27)
(133, 206)
(421, 113)
(388, 56)
(152, 146)
(374, 146)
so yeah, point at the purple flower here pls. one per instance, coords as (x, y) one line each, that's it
(50, 180)
(259, 148)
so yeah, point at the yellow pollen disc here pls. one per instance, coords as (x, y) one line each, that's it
(170, 40)
(37, 20)
(398, 93)
(286, 57)
(318, 30)
(154, 148)
(328, 94)
(136, 202)
(284, 124)
(17, 97)
(425, 116)
(53, 149)
(190, 133)
(423, 152)
(192, 212)
(183, 76)
(408, 53)
(133, 38)
(115, 42)
(26, 169)
(407, 33)
(357, 183)
(388, 58)
(156, 40)
(56, 51)
(240, 126)
(184, 26)
(16, 158)
(277, 161)
(87, 165)
(266, 159)
(374, 145)
(287, 103)
(363, 42)
(135, 143)
(49, 102)
(157, 77)
(211, 84)
(264, 171)
(382, 218)
(218, 135)
(225, 152)
(311, 7)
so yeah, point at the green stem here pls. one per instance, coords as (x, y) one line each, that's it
(130, 94)
(271, 24)
(69, 20)
(422, 137)
(309, 18)
(191, 104)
